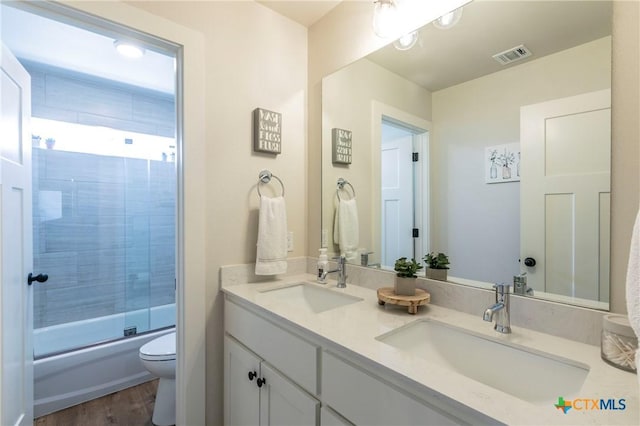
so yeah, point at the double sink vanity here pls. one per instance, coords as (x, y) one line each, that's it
(316, 354)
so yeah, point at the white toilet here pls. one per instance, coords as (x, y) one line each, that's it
(159, 358)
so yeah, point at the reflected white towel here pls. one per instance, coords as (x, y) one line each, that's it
(271, 255)
(346, 228)
(633, 284)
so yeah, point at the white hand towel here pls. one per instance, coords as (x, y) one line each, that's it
(271, 258)
(633, 284)
(346, 228)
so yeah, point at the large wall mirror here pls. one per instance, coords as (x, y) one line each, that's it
(513, 153)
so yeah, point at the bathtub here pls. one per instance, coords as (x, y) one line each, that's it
(70, 378)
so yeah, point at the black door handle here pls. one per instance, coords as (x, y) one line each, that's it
(41, 278)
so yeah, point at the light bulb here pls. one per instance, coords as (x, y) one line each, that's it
(128, 49)
(385, 18)
(448, 20)
(407, 41)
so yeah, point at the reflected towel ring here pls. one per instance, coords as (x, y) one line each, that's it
(265, 177)
(341, 183)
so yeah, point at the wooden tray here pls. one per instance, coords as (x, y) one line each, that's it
(386, 295)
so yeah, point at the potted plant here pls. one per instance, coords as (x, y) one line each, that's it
(50, 142)
(405, 284)
(437, 265)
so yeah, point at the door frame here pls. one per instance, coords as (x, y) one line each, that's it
(191, 172)
(421, 129)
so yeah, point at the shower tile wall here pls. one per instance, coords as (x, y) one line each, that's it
(104, 227)
(104, 231)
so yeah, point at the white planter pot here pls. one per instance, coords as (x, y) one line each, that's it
(436, 274)
(405, 286)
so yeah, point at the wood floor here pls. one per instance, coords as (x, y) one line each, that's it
(131, 407)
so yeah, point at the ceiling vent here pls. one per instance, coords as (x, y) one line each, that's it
(512, 55)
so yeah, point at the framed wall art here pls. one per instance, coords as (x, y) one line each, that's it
(502, 163)
(341, 141)
(267, 131)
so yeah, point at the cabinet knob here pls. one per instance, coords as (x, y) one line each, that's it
(261, 382)
(252, 375)
(530, 262)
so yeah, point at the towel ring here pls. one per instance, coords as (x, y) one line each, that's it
(340, 186)
(264, 177)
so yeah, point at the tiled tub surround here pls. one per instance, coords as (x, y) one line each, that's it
(104, 231)
(351, 330)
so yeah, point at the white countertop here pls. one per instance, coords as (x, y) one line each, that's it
(355, 327)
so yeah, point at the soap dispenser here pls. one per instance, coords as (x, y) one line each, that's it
(323, 262)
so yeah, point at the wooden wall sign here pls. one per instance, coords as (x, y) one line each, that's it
(267, 131)
(341, 141)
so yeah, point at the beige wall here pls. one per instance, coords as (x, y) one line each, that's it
(348, 96)
(477, 224)
(625, 141)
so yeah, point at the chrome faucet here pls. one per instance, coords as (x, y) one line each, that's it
(341, 270)
(500, 309)
(364, 260)
(520, 285)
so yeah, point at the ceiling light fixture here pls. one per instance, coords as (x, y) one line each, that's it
(407, 41)
(128, 49)
(448, 20)
(385, 18)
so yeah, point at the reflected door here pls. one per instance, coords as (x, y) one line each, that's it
(565, 194)
(16, 354)
(396, 194)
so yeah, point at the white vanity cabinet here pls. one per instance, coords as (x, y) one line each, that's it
(306, 381)
(270, 374)
(256, 394)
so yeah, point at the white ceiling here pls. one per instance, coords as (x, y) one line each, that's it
(305, 12)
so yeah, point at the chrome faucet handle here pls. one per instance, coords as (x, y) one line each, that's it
(501, 289)
(364, 258)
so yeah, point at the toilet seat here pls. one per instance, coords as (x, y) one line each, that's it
(161, 349)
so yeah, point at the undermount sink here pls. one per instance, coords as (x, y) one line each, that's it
(521, 372)
(311, 297)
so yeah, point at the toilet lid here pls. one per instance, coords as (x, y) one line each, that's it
(161, 349)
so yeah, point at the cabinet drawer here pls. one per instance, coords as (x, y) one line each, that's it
(293, 356)
(364, 399)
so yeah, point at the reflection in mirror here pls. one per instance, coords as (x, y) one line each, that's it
(513, 156)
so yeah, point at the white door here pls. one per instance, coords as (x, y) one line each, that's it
(241, 393)
(565, 194)
(16, 352)
(396, 194)
(284, 404)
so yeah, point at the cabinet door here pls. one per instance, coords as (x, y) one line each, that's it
(366, 400)
(329, 418)
(241, 394)
(284, 404)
